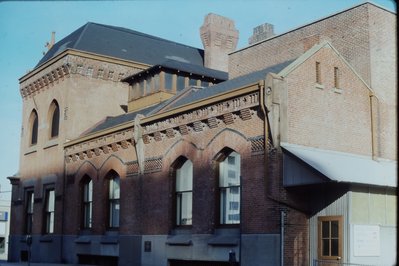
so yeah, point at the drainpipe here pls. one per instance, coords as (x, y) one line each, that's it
(373, 128)
(282, 216)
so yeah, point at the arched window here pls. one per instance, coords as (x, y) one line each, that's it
(184, 192)
(34, 127)
(87, 202)
(113, 180)
(54, 115)
(229, 187)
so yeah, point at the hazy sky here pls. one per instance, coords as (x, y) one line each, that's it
(26, 26)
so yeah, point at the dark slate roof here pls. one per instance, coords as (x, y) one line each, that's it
(183, 67)
(124, 44)
(197, 94)
(112, 121)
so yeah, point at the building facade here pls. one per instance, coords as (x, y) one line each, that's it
(158, 158)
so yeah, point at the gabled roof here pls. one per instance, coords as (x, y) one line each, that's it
(309, 53)
(124, 44)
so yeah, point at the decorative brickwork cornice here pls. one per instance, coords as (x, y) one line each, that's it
(74, 66)
(46, 80)
(224, 113)
(103, 145)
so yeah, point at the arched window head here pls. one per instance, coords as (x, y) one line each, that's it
(34, 127)
(183, 169)
(54, 116)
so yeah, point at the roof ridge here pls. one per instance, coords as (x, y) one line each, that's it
(81, 34)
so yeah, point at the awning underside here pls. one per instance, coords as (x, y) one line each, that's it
(306, 165)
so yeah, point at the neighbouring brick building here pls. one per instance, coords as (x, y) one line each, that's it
(136, 150)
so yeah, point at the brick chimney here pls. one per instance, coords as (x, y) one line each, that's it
(219, 38)
(261, 32)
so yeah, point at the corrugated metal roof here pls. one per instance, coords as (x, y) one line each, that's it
(346, 167)
(124, 44)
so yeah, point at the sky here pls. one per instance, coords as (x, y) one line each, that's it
(26, 26)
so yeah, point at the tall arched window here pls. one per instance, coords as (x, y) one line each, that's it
(87, 202)
(54, 116)
(113, 180)
(34, 127)
(184, 192)
(229, 188)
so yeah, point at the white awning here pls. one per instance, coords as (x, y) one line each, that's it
(346, 167)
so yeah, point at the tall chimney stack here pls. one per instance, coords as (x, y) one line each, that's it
(261, 32)
(219, 38)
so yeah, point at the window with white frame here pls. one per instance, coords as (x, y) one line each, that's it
(49, 211)
(29, 203)
(114, 202)
(229, 189)
(87, 203)
(184, 194)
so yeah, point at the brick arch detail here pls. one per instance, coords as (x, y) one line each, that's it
(228, 138)
(114, 163)
(180, 148)
(86, 168)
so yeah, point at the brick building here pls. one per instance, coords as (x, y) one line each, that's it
(130, 157)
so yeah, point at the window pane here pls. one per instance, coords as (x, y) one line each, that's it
(114, 188)
(55, 121)
(35, 127)
(50, 223)
(114, 213)
(185, 209)
(148, 85)
(168, 81)
(204, 83)
(184, 177)
(141, 88)
(180, 83)
(184, 186)
(334, 229)
(192, 82)
(87, 215)
(155, 80)
(334, 247)
(325, 229)
(326, 247)
(2, 245)
(229, 173)
(50, 201)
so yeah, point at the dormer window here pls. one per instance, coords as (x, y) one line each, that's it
(162, 82)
